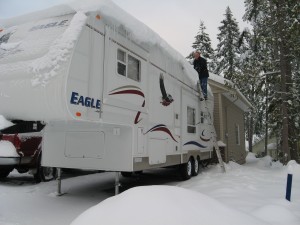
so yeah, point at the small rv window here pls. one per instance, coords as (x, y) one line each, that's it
(128, 66)
(121, 56)
(121, 62)
(191, 120)
(121, 69)
(133, 68)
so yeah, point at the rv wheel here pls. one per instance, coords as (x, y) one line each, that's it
(126, 174)
(186, 170)
(195, 167)
(44, 173)
(48, 173)
(131, 174)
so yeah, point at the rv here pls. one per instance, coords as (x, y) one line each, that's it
(110, 93)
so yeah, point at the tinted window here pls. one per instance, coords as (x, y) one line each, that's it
(191, 120)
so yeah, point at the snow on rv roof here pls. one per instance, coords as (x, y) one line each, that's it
(112, 14)
(26, 50)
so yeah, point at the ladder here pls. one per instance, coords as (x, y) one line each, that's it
(213, 131)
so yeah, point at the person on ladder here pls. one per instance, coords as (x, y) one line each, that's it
(200, 65)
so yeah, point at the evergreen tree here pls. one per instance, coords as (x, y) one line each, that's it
(227, 52)
(251, 84)
(277, 26)
(203, 45)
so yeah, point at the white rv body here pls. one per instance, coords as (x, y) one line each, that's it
(99, 92)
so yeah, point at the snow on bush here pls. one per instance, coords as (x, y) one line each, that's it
(250, 158)
(265, 161)
(7, 149)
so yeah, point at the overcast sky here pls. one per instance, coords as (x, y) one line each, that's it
(176, 21)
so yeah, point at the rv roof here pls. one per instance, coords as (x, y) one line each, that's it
(139, 32)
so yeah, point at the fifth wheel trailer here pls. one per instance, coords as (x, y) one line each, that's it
(112, 94)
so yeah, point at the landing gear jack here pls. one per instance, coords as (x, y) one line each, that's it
(117, 183)
(59, 193)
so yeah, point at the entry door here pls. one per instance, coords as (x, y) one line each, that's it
(189, 119)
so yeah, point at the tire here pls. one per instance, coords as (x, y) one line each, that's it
(45, 174)
(48, 173)
(186, 170)
(195, 167)
(127, 174)
(4, 172)
(131, 174)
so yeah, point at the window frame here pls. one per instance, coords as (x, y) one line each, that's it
(127, 65)
(193, 126)
(122, 62)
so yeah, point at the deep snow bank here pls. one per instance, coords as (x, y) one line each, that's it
(161, 205)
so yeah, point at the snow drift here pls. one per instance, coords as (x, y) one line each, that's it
(163, 205)
(253, 190)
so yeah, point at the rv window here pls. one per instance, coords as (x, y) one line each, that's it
(121, 62)
(128, 66)
(191, 120)
(121, 56)
(121, 69)
(133, 68)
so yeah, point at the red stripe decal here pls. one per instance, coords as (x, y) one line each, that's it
(136, 120)
(136, 92)
(131, 91)
(164, 129)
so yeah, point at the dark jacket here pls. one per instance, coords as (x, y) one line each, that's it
(200, 66)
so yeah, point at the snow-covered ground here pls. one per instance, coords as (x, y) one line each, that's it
(253, 193)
